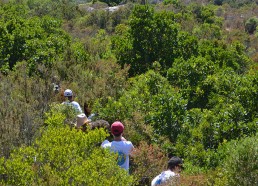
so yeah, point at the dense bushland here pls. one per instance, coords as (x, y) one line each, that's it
(181, 77)
(64, 156)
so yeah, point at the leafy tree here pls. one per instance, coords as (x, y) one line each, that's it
(204, 14)
(203, 132)
(11, 16)
(78, 53)
(247, 91)
(189, 75)
(122, 45)
(222, 114)
(153, 37)
(208, 31)
(225, 56)
(99, 46)
(251, 24)
(150, 95)
(238, 162)
(38, 41)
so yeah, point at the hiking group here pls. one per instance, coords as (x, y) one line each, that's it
(120, 145)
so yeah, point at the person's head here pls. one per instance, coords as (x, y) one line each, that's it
(175, 164)
(82, 121)
(56, 88)
(68, 94)
(117, 128)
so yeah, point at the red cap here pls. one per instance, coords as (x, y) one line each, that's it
(117, 128)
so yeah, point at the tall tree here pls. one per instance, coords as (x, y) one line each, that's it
(36, 40)
(154, 36)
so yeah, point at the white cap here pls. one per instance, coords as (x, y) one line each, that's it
(68, 93)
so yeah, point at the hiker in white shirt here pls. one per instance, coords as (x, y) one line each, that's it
(119, 145)
(171, 175)
(69, 95)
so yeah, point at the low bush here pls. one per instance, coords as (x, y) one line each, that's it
(239, 163)
(63, 156)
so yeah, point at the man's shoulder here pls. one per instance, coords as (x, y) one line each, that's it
(169, 173)
(124, 142)
(106, 144)
(75, 103)
(128, 144)
(163, 178)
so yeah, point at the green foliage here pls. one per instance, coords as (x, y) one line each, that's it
(101, 18)
(195, 76)
(95, 79)
(251, 24)
(12, 17)
(60, 114)
(78, 52)
(173, 2)
(152, 37)
(191, 72)
(2, 170)
(224, 56)
(235, 3)
(122, 44)
(239, 164)
(40, 41)
(203, 131)
(204, 14)
(210, 96)
(150, 95)
(61, 9)
(208, 31)
(23, 105)
(228, 87)
(229, 98)
(62, 156)
(99, 46)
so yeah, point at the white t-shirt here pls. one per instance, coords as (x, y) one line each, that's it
(123, 148)
(74, 104)
(164, 177)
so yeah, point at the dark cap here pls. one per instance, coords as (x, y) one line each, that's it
(117, 128)
(175, 161)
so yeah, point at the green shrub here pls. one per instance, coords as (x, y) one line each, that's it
(60, 114)
(151, 96)
(240, 163)
(62, 156)
(251, 24)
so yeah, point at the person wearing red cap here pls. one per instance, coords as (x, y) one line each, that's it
(119, 145)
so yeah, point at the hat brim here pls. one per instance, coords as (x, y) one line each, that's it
(83, 123)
